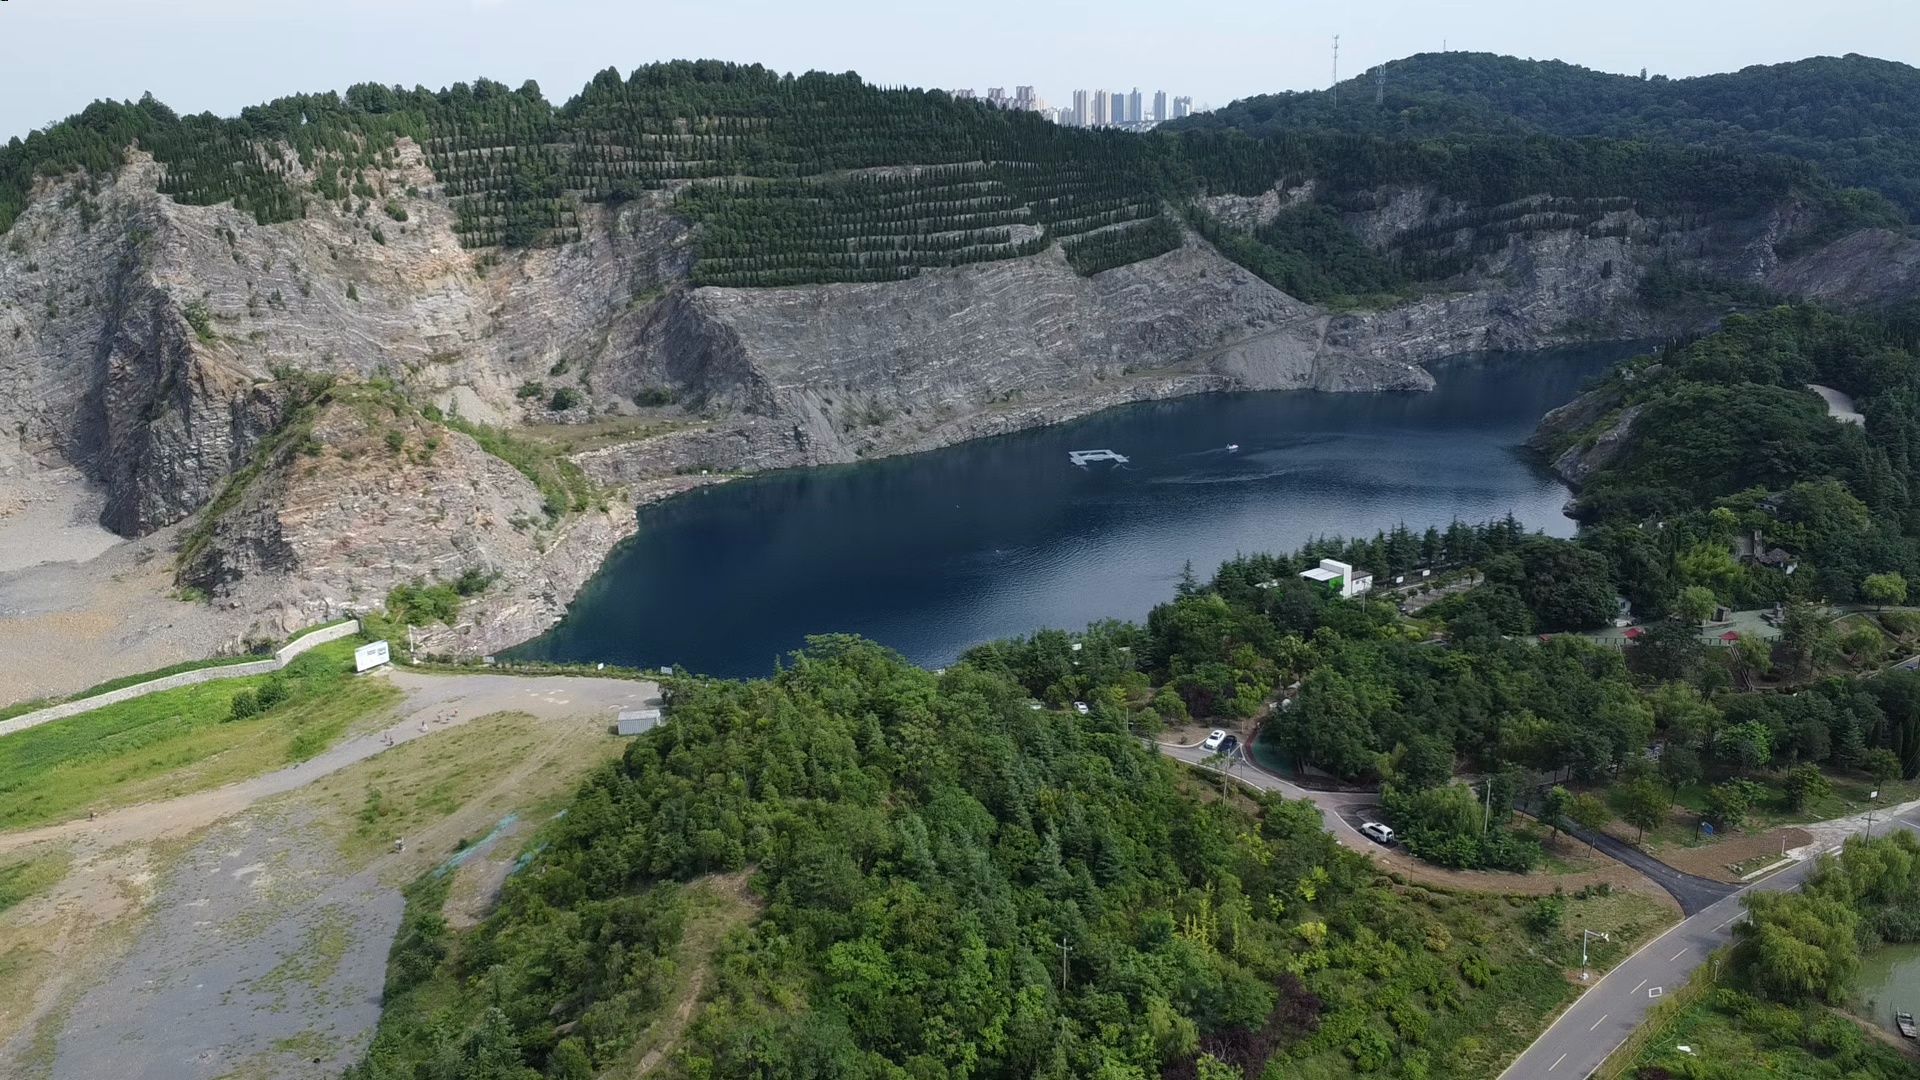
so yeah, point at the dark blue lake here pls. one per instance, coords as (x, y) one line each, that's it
(933, 553)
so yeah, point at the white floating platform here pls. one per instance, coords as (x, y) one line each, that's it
(1084, 457)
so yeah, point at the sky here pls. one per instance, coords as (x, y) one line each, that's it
(219, 55)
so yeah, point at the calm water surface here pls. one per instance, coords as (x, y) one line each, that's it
(933, 553)
(1890, 982)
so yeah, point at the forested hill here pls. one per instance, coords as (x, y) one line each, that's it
(823, 177)
(1855, 117)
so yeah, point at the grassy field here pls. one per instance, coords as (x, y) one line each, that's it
(494, 765)
(23, 879)
(1729, 1034)
(22, 707)
(1533, 976)
(181, 741)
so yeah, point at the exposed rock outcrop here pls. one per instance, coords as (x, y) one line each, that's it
(164, 349)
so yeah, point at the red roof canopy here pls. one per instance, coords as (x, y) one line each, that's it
(1634, 633)
(1731, 635)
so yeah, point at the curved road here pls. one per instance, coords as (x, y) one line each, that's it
(1582, 1038)
(1695, 894)
(1598, 1021)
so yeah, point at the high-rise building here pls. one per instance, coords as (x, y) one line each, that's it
(1081, 117)
(963, 95)
(1182, 106)
(997, 96)
(1023, 98)
(1133, 107)
(1159, 106)
(1102, 108)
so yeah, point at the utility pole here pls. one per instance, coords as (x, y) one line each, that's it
(1486, 812)
(1584, 936)
(1064, 950)
(1871, 795)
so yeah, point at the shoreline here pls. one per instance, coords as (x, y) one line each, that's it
(1031, 416)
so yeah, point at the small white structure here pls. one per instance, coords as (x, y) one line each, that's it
(637, 721)
(368, 657)
(1339, 578)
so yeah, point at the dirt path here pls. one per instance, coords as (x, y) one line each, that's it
(733, 904)
(434, 702)
(256, 905)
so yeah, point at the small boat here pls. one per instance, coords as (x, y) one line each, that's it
(1904, 1021)
(1233, 448)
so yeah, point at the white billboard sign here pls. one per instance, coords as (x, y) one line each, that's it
(371, 656)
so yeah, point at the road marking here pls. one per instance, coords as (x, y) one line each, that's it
(1597, 1023)
(1636, 989)
(1736, 918)
(1678, 955)
(1655, 991)
(1556, 1062)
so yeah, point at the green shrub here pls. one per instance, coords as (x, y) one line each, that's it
(419, 604)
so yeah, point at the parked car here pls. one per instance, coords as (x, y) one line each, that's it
(1230, 744)
(1378, 833)
(1215, 739)
(1081, 708)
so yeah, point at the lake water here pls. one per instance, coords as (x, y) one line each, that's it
(1890, 980)
(936, 552)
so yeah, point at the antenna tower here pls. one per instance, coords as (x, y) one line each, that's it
(1336, 64)
(1380, 85)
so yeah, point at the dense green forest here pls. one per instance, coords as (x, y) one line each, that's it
(820, 178)
(948, 882)
(1855, 117)
(1727, 439)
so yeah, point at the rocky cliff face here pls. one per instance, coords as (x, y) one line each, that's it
(165, 350)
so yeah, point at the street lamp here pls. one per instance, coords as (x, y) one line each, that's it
(1585, 936)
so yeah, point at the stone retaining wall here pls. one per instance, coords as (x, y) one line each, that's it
(280, 659)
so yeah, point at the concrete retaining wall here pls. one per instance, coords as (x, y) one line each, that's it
(279, 660)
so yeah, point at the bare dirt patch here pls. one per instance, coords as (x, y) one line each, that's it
(1718, 859)
(79, 605)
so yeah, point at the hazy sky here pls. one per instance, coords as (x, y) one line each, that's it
(57, 55)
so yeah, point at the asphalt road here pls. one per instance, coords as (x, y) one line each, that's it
(1601, 1019)
(1595, 1025)
(1695, 894)
(1335, 807)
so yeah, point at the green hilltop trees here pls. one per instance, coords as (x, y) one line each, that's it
(824, 178)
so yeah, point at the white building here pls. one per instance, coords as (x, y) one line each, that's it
(637, 721)
(1339, 578)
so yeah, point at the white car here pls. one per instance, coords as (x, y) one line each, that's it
(1214, 739)
(1081, 708)
(1378, 833)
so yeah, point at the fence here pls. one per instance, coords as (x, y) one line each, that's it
(280, 659)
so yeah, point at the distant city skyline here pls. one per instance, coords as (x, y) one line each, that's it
(223, 55)
(1088, 106)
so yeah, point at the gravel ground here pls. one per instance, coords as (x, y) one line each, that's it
(79, 605)
(257, 950)
(258, 959)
